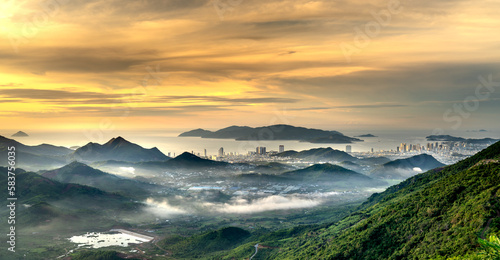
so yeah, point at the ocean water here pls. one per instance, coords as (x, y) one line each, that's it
(168, 142)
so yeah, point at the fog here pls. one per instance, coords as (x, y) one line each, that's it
(179, 205)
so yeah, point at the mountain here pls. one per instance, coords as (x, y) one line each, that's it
(118, 149)
(47, 200)
(190, 161)
(449, 138)
(328, 173)
(20, 134)
(42, 149)
(404, 168)
(80, 173)
(319, 174)
(438, 214)
(43, 156)
(196, 133)
(319, 154)
(274, 132)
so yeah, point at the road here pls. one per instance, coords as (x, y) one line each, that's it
(256, 251)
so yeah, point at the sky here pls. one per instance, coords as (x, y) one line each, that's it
(178, 64)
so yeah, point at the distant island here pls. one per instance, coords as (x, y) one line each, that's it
(449, 138)
(20, 134)
(274, 132)
(367, 135)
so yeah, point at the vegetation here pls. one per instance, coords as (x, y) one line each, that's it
(98, 255)
(203, 244)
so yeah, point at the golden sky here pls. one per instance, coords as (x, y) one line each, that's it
(157, 64)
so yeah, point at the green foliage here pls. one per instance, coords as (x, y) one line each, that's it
(203, 244)
(97, 255)
(491, 248)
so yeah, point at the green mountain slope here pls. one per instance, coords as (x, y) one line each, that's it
(203, 244)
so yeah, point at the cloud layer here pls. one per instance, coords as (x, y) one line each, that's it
(238, 62)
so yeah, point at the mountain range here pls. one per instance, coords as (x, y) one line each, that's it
(46, 156)
(274, 132)
(118, 149)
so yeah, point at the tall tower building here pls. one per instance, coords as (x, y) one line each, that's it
(221, 151)
(281, 148)
(348, 149)
(260, 150)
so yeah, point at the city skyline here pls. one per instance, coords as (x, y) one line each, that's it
(73, 65)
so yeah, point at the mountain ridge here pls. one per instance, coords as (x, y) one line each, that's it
(273, 132)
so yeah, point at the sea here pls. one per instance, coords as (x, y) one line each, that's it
(169, 143)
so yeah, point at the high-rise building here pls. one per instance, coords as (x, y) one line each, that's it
(403, 148)
(260, 150)
(348, 149)
(205, 153)
(282, 148)
(221, 151)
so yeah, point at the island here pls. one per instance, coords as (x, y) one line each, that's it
(274, 132)
(449, 138)
(366, 136)
(20, 134)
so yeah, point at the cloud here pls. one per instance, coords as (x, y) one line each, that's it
(274, 202)
(47, 94)
(163, 208)
(227, 100)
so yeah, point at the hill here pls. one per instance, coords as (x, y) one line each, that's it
(48, 200)
(319, 154)
(436, 214)
(274, 132)
(328, 174)
(203, 244)
(20, 134)
(80, 173)
(404, 168)
(189, 160)
(118, 149)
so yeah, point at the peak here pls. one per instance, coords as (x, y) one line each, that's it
(20, 134)
(117, 140)
(75, 164)
(186, 155)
